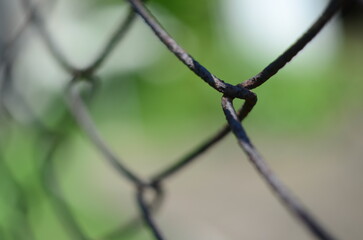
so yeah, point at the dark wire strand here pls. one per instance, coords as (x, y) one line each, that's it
(332, 8)
(147, 214)
(136, 222)
(284, 194)
(185, 57)
(112, 43)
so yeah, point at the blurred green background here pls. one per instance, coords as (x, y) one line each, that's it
(152, 110)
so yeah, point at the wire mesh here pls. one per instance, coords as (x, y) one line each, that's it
(83, 84)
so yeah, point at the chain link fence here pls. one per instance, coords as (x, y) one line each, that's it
(83, 84)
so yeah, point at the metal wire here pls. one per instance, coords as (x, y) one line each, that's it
(78, 112)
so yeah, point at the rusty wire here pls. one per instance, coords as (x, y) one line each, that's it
(78, 112)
